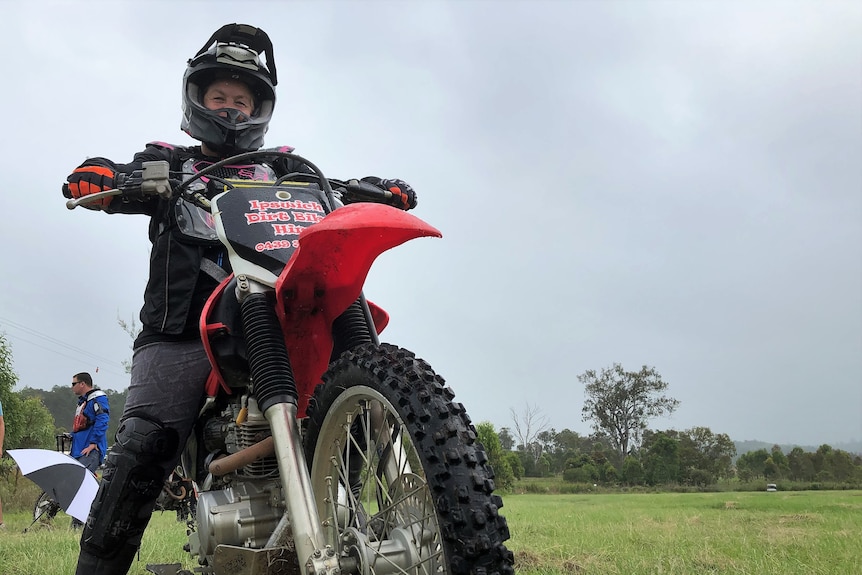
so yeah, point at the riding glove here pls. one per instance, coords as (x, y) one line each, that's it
(403, 196)
(87, 180)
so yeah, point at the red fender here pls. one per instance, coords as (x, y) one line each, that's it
(379, 316)
(215, 379)
(326, 274)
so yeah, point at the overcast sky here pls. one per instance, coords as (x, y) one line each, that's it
(671, 184)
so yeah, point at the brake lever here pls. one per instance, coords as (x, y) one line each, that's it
(91, 198)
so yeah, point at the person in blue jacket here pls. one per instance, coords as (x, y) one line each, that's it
(90, 425)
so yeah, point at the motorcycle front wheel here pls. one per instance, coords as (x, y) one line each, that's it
(400, 482)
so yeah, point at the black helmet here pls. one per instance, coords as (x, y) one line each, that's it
(233, 52)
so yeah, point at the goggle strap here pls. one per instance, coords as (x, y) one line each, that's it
(254, 38)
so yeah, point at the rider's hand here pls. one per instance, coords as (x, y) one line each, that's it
(403, 196)
(88, 180)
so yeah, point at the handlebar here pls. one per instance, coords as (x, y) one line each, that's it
(151, 179)
(154, 179)
(363, 190)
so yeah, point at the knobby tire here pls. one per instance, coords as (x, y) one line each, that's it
(395, 463)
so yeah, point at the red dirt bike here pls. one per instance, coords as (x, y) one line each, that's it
(319, 449)
(46, 508)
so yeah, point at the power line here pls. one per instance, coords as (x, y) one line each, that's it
(100, 367)
(47, 339)
(50, 338)
(54, 340)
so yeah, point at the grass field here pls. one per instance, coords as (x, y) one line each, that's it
(784, 533)
(798, 533)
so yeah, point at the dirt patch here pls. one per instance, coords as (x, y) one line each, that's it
(527, 560)
(800, 518)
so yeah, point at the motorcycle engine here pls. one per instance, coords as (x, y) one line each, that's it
(243, 507)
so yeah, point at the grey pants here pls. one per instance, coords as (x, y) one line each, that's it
(168, 385)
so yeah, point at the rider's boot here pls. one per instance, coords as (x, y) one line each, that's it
(117, 565)
(131, 481)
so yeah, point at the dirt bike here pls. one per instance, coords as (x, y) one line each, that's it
(179, 494)
(320, 450)
(46, 508)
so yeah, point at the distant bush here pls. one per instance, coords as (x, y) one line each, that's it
(575, 482)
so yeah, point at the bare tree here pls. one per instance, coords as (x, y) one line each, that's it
(528, 425)
(133, 329)
(507, 442)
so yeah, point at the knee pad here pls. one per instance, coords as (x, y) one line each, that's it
(133, 476)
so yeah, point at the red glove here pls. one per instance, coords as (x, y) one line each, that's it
(403, 196)
(88, 180)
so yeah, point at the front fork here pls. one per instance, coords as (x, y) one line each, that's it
(275, 390)
(298, 493)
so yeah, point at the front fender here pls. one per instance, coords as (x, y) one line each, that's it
(326, 274)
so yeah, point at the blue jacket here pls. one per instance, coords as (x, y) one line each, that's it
(91, 422)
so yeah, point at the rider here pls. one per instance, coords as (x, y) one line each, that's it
(228, 100)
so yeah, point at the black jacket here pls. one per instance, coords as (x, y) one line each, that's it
(177, 289)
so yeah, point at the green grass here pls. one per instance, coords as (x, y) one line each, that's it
(53, 549)
(756, 533)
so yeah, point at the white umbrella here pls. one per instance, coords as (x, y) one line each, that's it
(63, 478)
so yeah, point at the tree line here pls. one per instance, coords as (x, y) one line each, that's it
(823, 465)
(33, 417)
(695, 457)
(61, 402)
(622, 450)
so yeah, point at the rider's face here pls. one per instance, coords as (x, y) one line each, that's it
(229, 94)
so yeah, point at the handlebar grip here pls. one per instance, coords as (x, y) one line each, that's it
(370, 191)
(72, 203)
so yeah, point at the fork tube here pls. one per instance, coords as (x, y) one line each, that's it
(268, 361)
(275, 391)
(295, 480)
